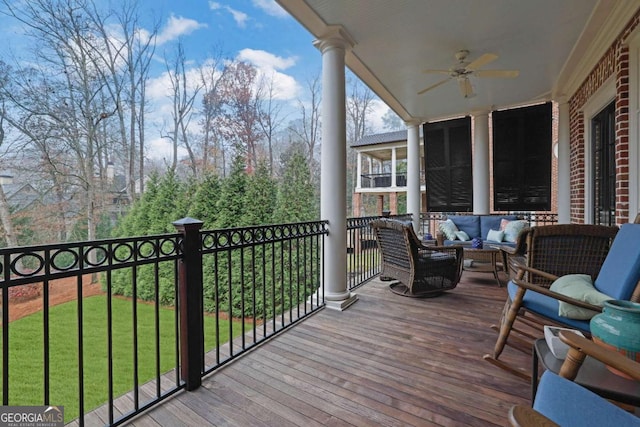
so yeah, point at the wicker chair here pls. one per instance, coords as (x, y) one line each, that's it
(560, 249)
(420, 271)
(561, 402)
(556, 250)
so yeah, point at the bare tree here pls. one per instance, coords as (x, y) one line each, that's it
(359, 106)
(242, 96)
(5, 212)
(212, 80)
(308, 128)
(183, 97)
(64, 110)
(270, 117)
(123, 57)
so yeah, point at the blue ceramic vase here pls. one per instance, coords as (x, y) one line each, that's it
(476, 243)
(618, 328)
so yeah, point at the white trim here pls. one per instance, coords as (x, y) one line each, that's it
(598, 101)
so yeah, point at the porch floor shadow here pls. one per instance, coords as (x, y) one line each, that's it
(387, 360)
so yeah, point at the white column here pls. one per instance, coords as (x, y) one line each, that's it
(413, 173)
(393, 167)
(564, 165)
(333, 161)
(481, 181)
(359, 171)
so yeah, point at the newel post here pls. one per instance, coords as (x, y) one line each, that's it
(190, 303)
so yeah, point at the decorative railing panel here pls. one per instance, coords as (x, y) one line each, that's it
(169, 309)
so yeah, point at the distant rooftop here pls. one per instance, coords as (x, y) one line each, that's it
(383, 138)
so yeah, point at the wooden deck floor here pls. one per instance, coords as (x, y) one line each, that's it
(387, 360)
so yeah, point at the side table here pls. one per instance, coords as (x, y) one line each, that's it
(484, 260)
(593, 375)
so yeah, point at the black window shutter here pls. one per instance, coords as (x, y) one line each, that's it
(449, 179)
(522, 158)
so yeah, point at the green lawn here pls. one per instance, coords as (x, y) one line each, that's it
(26, 369)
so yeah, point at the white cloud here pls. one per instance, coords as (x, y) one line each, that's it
(270, 7)
(268, 65)
(176, 27)
(264, 59)
(241, 18)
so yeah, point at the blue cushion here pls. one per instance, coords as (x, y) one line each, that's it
(568, 404)
(492, 222)
(620, 271)
(470, 224)
(547, 307)
(468, 243)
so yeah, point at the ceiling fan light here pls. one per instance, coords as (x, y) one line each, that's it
(466, 89)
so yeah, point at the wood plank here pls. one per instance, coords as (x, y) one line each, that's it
(386, 360)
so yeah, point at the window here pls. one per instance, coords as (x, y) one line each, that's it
(522, 158)
(603, 145)
(447, 148)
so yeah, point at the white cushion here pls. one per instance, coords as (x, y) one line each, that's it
(461, 235)
(512, 229)
(448, 228)
(579, 287)
(495, 235)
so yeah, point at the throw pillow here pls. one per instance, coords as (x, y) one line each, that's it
(495, 235)
(461, 235)
(448, 228)
(579, 287)
(512, 229)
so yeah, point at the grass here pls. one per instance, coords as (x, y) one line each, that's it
(26, 366)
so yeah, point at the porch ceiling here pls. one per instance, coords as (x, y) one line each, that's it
(546, 40)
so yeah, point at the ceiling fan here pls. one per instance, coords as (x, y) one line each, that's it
(463, 70)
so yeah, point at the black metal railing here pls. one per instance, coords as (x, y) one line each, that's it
(382, 180)
(65, 336)
(429, 220)
(363, 256)
(185, 292)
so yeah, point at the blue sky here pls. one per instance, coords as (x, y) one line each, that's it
(256, 31)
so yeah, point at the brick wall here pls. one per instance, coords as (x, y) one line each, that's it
(615, 62)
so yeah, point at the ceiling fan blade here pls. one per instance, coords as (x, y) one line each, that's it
(465, 88)
(441, 82)
(482, 61)
(508, 74)
(436, 71)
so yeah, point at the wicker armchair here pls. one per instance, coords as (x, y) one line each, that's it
(420, 271)
(542, 254)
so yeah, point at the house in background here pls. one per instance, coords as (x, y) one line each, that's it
(382, 173)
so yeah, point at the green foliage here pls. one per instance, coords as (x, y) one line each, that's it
(205, 201)
(136, 220)
(259, 197)
(170, 204)
(231, 209)
(295, 201)
(271, 277)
